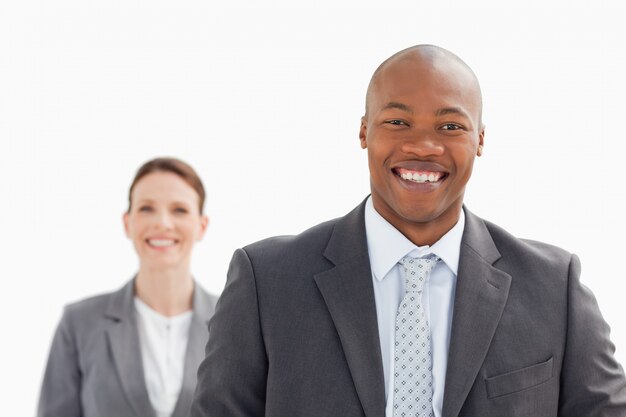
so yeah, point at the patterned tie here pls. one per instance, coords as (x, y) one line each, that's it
(413, 379)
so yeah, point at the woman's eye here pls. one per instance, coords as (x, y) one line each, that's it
(145, 208)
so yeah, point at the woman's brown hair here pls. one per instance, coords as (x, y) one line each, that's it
(175, 166)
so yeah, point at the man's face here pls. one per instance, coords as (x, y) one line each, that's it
(422, 131)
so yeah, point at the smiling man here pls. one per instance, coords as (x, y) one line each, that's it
(410, 305)
(422, 129)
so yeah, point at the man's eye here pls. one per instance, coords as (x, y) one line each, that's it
(145, 208)
(180, 210)
(396, 122)
(451, 126)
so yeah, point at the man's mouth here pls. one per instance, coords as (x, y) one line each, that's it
(161, 243)
(421, 176)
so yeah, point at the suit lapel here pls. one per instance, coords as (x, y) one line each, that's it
(349, 295)
(481, 294)
(198, 331)
(193, 357)
(125, 350)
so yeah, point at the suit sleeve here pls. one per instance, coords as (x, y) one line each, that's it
(60, 390)
(592, 382)
(233, 376)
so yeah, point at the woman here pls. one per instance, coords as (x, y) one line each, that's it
(135, 352)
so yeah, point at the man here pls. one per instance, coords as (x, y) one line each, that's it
(410, 305)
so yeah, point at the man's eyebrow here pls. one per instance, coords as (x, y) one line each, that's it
(441, 112)
(399, 106)
(451, 110)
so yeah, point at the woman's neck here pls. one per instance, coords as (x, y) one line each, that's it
(168, 292)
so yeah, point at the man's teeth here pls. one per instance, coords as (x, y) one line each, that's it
(161, 243)
(421, 177)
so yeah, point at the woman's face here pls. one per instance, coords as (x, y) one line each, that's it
(164, 221)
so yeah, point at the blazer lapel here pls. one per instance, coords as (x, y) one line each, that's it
(481, 294)
(203, 309)
(125, 350)
(349, 295)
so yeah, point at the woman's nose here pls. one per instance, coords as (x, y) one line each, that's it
(164, 220)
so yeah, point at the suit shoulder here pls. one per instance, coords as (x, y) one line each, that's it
(88, 306)
(528, 250)
(87, 319)
(88, 311)
(312, 240)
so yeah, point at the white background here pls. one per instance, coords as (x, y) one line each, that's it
(264, 100)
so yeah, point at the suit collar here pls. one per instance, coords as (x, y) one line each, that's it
(121, 304)
(125, 349)
(124, 341)
(349, 295)
(348, 240)
(387, 245)
(203, 305)
(203, 308)
(476, 237)
(481, 294)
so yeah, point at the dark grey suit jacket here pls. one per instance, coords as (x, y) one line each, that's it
(95, 367)
(295, 332)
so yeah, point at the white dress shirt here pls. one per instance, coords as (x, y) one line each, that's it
(163, 343)
(387, 246)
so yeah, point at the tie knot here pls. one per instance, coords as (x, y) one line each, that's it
(417, 270)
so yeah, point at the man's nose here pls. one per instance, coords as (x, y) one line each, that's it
(423, 143)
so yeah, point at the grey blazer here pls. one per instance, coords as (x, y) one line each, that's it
(95, 367)
(295, 332)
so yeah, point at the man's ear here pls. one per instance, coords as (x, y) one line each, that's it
(363, 133)
(481, 141)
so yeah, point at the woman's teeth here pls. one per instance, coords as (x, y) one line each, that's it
(161, 243)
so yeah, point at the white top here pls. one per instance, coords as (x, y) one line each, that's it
(163, 343)
(387, 246)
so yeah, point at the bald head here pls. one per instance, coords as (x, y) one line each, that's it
(432, 59)
(422, 131)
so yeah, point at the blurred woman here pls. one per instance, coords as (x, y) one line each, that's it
(135, 352)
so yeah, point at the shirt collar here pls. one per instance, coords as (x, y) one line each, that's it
(386, 245)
